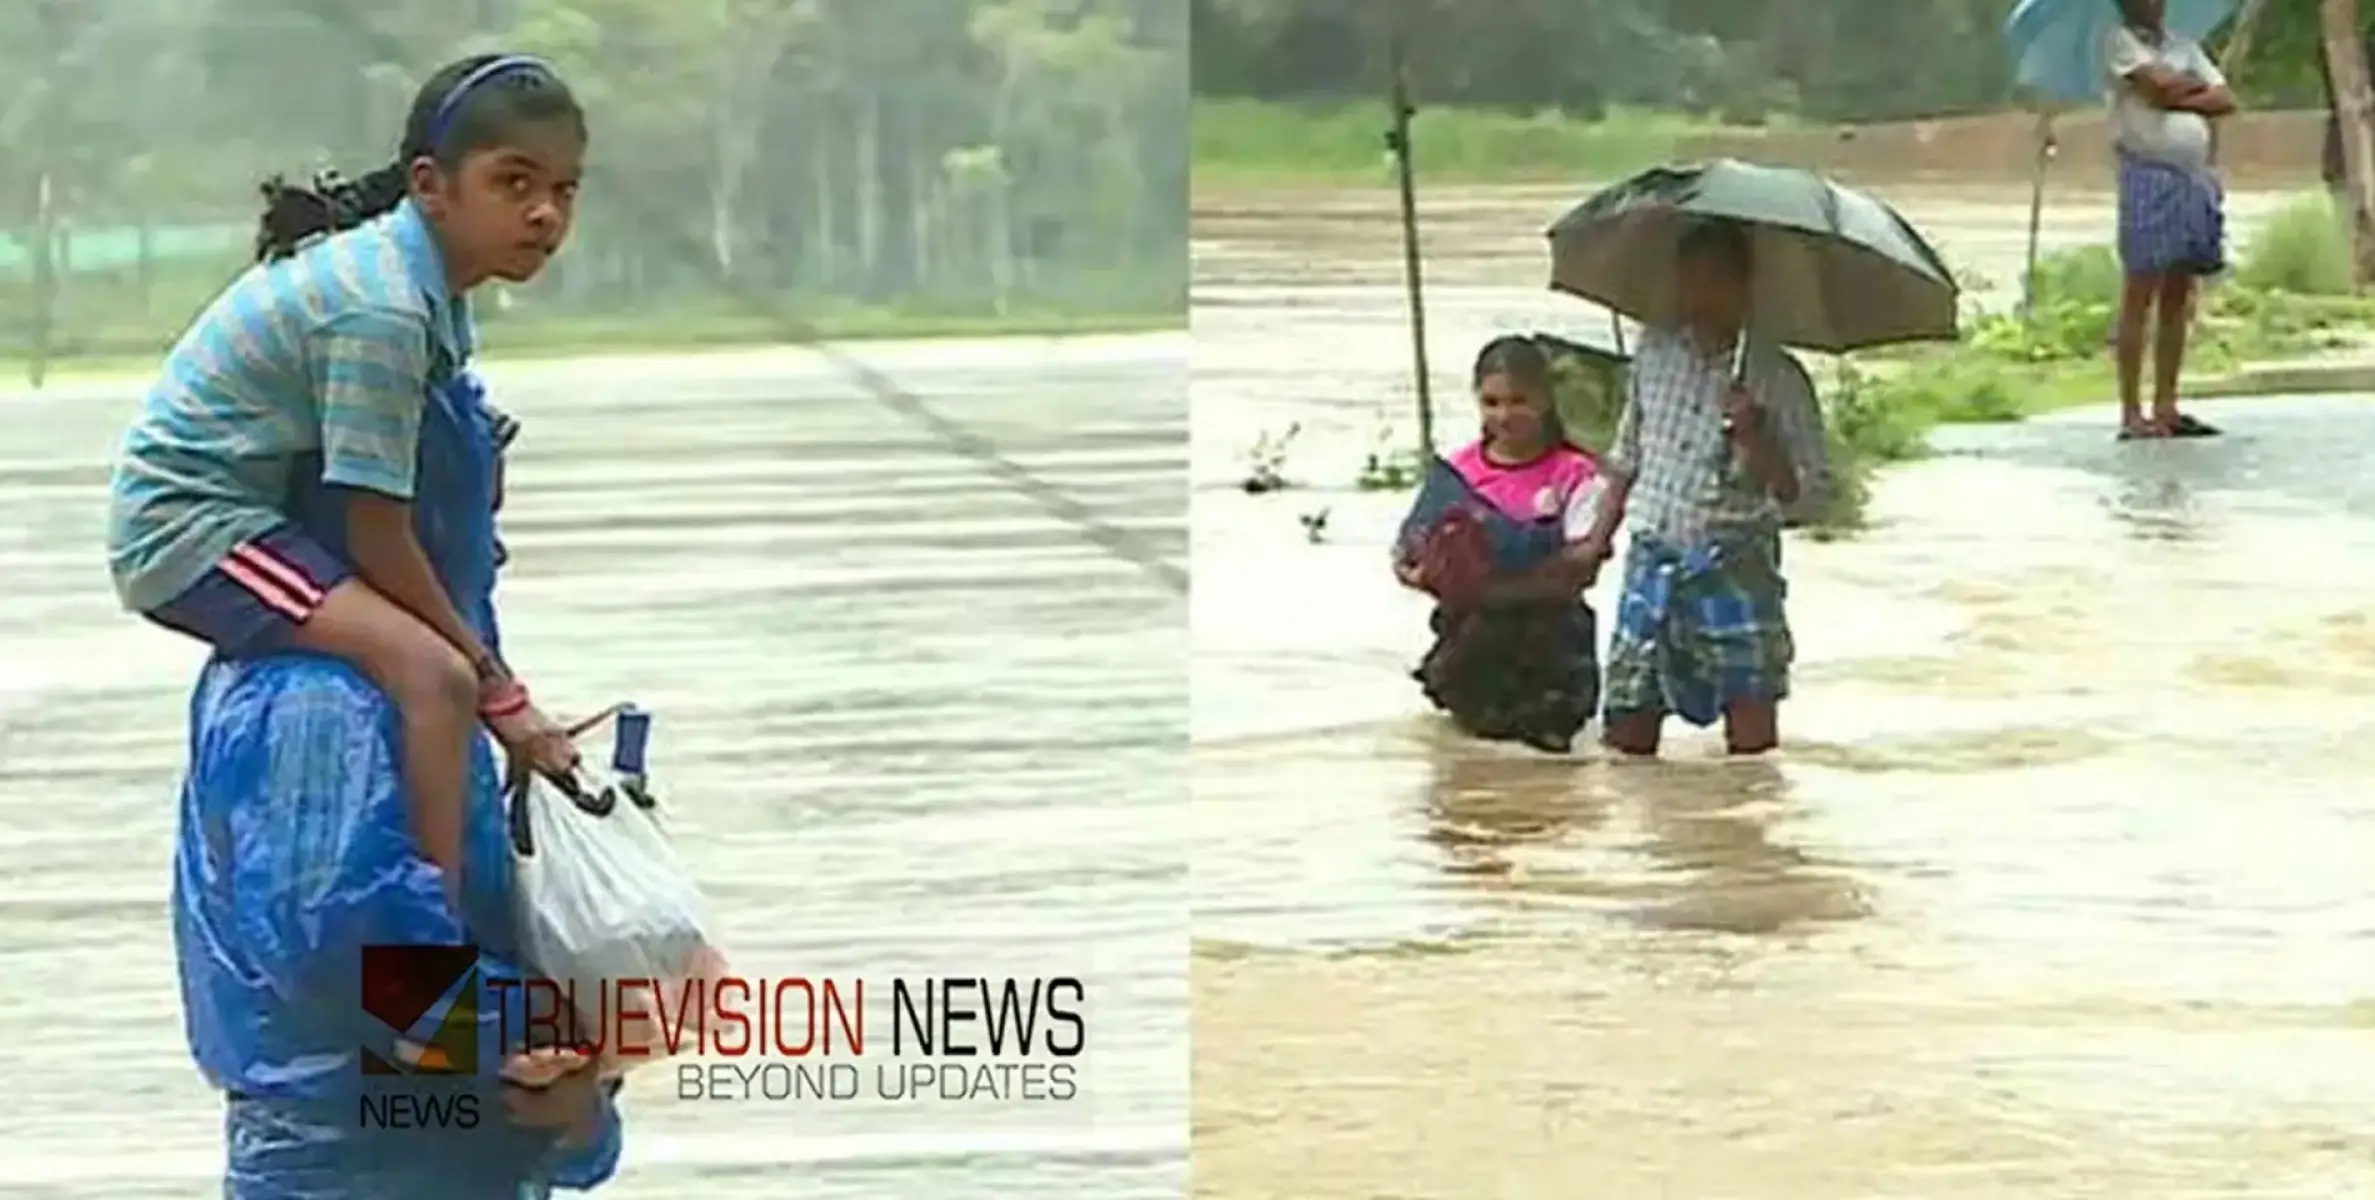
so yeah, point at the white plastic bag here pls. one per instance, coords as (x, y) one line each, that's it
(609, 914)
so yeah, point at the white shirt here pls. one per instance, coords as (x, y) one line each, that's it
(2138, 126)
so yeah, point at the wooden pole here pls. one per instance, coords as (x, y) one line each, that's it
(1398, 142)
(2028, 278)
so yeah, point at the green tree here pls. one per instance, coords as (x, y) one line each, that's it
(1839, 60)
(931, 156)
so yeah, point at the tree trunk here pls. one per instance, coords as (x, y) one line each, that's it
(146, 279)
(870, 189)
(824, 239)
(45, 278)
(735, 150)
(2346, 58)
(920, 192)
(725, 181)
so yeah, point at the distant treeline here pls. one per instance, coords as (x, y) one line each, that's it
(1825, 60)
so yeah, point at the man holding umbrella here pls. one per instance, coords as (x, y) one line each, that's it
(1724, 264)
(1719, 436)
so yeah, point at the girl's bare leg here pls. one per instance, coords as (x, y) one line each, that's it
(436, 697)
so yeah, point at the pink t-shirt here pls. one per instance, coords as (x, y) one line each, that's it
(1565, 483)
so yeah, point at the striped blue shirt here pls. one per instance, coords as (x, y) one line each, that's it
(329, 352)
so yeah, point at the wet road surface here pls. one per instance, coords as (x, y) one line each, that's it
(2057, 891)
(912, 725)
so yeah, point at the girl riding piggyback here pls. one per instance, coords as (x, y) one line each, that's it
(317, 367)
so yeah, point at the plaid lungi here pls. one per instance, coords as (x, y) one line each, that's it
(2171, 220)
(1697, 630)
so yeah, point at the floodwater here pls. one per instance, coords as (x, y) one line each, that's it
(910, 726)
(2057, 890)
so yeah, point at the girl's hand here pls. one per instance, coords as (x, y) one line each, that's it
(1592, 552)
(537, 740)
(553, 1089)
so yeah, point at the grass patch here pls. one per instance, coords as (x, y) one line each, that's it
(664, 332)
(1256, 142)
(2304, 248)
(107, 321)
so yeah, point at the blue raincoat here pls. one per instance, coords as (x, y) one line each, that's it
(294, 852)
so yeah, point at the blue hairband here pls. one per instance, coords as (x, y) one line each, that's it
(448, 108)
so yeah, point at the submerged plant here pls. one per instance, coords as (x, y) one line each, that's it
(1266, 462)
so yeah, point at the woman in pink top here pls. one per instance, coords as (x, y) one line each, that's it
(1497, 536)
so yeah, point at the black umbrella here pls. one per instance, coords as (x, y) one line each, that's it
(1836, 270)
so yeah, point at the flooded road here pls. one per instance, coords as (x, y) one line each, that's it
(910, 724)
(2057, 891)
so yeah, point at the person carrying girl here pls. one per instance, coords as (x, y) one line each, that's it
(320, 359)
(1498, 536)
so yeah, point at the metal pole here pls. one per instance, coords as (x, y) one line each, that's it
(2028, 285)
(1398, 142)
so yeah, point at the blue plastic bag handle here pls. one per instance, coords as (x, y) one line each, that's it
(594, 803)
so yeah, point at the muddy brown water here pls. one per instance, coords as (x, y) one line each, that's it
(2056, 891)
(909, 724)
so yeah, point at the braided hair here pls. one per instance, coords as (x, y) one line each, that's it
(296, 215)
(469, 105)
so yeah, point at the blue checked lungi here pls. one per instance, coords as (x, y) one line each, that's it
(2171, 220)
(1699, 629)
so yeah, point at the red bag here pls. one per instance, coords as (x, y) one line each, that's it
(1456, 559)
